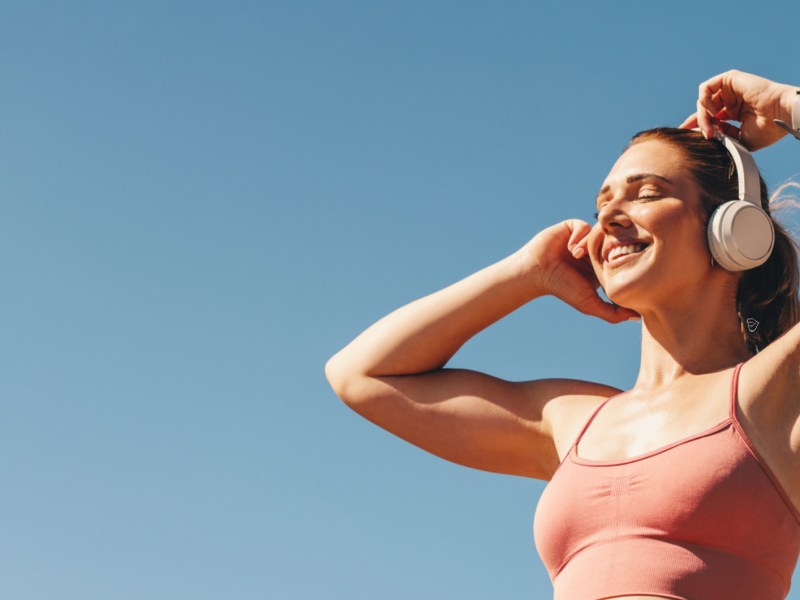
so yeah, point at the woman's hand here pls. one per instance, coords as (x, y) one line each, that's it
(752, 100)
(565, 270)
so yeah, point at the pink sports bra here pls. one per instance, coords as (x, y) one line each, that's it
(703, 518)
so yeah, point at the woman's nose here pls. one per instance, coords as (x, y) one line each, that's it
(613, 215)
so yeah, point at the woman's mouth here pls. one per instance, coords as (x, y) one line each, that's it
(623, 254)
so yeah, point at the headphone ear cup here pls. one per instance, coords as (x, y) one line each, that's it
(740, 235)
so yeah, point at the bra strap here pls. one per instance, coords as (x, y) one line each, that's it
(594, 414)
(735, 392)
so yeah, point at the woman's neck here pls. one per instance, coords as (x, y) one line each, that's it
(681, 343)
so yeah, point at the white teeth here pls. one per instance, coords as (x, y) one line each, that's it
(621, 250)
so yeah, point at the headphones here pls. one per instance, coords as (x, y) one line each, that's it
(740, 233)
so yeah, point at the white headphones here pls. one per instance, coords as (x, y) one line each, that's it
(740, 232)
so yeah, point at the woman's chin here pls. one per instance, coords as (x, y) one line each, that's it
(628, 283)
(626, 296)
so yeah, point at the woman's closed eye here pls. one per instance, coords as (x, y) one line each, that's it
(645, 196)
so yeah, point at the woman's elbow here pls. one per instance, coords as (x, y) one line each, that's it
(341, 378)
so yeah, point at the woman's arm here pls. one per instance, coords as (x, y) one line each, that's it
(423, 335)
(392, 374)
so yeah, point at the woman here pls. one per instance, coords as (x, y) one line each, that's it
(684, 486)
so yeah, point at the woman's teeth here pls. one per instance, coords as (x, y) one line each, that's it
(624, 250)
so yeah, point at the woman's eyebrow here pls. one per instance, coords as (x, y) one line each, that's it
(633, 179)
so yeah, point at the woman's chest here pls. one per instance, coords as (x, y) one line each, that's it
(707, 492)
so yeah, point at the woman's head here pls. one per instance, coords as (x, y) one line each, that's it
(768, 293)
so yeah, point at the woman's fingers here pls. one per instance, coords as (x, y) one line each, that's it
(704, 120)
(713, 104)
(724, 115)
(597, 307)
(578, 230)
(729, 130)
(572, 278)
(690, 122)
(707, 105)
(579, 234)
(718, 121)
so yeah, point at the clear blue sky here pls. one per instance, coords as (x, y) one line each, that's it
(202, 201)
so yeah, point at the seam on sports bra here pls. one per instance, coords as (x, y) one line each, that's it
(737, 426)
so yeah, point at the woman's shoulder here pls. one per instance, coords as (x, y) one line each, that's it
(768, 407)
(768, 382)
(564, 396)
(569, 410)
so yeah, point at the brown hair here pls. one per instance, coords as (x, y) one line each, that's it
(768, 293)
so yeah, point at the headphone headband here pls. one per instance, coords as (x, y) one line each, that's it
(746, 170)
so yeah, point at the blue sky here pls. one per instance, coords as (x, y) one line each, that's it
(203, 201)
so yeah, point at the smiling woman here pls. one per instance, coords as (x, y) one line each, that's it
(684, 486)
(767, 293)
(649, 251)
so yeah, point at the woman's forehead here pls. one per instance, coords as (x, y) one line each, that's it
(651, 156)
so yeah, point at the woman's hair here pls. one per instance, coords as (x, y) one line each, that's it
(767, 293)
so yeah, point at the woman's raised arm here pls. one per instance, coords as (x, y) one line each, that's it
(753, 101)
(392, 373)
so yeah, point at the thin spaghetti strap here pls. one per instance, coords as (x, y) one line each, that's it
(735, 392)
(594, 414)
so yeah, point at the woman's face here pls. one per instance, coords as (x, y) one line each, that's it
(650, 200)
